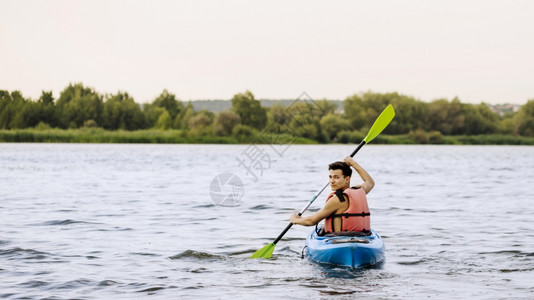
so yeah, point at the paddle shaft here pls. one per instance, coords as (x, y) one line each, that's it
(314, 197)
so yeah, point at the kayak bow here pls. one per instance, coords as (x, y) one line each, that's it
(349, 251)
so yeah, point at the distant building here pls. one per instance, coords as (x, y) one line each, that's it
(502, 109)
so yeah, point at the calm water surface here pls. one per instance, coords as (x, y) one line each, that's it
(138, 221)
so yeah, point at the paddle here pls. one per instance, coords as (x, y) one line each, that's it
(380, 124)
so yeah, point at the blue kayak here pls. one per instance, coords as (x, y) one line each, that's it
(346, 250)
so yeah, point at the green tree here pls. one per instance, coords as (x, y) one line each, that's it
(164, 120)
(152, 114)
(121, 112)
(47, 107)
(419, 136)
(77, 104)
(305, 126)
(31, 114)
(355, 111)
(524, 119)
(164, 102)
(332, 124)
(182, 120)
(324, 107)
(362, 110)
(479, 119)
(18, 112)
(278, 114)
(18, 103)
(249, 110)
(169, 102)
(446, 117)
(305, 120)
(5, 101)
(242, 132)
(10, 104)
(200, 124)
(507, 123)
(412, 114)
(46, 98)
(225, 121)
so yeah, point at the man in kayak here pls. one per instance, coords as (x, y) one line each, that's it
(346, 208)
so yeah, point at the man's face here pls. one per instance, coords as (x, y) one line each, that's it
(337, 180)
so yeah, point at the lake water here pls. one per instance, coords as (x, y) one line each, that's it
(111, 221)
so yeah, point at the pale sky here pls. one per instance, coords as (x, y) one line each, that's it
(212, 49)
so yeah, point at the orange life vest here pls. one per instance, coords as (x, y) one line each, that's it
(356, 217)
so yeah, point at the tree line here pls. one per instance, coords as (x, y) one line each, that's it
(79, 106)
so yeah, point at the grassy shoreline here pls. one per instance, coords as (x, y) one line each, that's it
(155, 136)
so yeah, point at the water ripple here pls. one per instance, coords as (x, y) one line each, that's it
(64, 222)
(197, 255)
(25, 253)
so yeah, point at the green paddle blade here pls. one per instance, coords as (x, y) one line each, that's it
(265, 252)
(381, 123)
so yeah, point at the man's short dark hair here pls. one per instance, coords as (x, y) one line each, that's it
(341, 165)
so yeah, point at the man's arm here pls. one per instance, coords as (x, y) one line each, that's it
(368, 182)
(331, 206)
